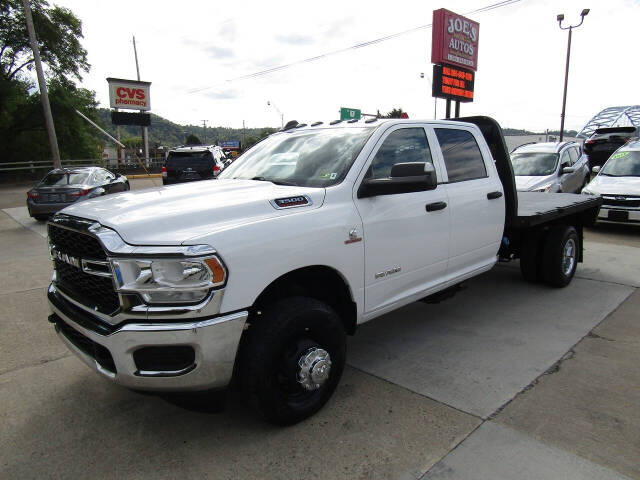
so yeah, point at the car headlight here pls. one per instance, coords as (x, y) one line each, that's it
(169, 280)
(546, 188)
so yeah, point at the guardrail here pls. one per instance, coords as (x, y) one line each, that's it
(36, 169)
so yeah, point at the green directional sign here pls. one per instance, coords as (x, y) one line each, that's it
(349, 113)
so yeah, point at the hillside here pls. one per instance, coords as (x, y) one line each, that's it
(165, 132)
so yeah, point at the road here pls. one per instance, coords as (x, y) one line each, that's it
(505, 381)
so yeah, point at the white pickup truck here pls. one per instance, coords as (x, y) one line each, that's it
(258, 276)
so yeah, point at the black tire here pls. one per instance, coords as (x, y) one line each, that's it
(41, 218)
(530, 258)
(557, 269)
(285, 332)
(127, 187)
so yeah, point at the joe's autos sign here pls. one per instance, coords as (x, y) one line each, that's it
(454, 40)
(129, 94)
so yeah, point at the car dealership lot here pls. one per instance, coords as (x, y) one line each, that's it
(505, 380)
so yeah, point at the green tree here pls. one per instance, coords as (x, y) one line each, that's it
(58, 31)
(22, 129)
(193, 140)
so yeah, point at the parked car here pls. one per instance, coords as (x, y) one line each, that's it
(188, 164)
(550, 167)
(260, 275)
(62, 187)
(618, 183)
(604, 141)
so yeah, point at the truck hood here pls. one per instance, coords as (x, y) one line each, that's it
(528, 183)
(173, 214)
(605, 185)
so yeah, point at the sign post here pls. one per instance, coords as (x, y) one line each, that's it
(454, 53)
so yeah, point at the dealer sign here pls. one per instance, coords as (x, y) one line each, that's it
(454, 40)
(129, 94)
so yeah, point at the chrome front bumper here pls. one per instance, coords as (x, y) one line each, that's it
(633, 213)
(215, 343)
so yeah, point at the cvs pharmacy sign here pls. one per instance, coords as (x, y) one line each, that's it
(129, 94)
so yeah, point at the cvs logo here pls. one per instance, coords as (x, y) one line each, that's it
(124, 92)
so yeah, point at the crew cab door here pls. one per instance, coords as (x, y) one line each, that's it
(476, 199)
(405, 235)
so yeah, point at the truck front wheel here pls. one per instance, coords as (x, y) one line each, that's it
(560, 256)
(292, 359)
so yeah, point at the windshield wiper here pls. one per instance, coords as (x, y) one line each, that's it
(277, 182)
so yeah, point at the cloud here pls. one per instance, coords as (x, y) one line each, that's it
(228, 30)
(295, 39)
(226, 94)
(219, 52)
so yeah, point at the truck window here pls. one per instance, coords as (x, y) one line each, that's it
(462, 156)
(573, 154)
(401, 146)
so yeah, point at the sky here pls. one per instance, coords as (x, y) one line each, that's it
(195, 53)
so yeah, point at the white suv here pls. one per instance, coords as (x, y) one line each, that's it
(550, 167)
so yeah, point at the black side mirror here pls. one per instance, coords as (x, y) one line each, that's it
(405, 178)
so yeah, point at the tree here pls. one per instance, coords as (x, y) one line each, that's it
(58, 30)
(22, 130)
(193, 140)
(395, 113)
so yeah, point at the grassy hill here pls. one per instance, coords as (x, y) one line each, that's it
(165, 132)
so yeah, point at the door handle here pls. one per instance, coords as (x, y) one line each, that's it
(494, 195)
(432, 207)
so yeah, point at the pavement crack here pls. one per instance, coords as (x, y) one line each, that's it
(599, 337)
(37, 364)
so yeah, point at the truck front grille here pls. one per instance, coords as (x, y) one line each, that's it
(76, 243)
(94, 291)
(90, 290)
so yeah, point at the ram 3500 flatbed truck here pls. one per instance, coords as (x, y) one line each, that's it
(259, 275)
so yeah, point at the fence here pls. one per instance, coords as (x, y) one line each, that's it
(11, 172)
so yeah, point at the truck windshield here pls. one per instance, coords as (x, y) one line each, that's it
(319, 158)
(535, 164)
(623, 164)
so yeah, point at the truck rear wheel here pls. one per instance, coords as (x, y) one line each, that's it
(560, 256)
(292, 359)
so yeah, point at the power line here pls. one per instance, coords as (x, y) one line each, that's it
(261, 73)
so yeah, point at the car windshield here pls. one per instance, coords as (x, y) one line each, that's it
(623, 164)
(534, 163)
(319, 158)
(68, 178)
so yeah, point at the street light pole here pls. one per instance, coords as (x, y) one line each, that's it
(277, 110)
(560, 18)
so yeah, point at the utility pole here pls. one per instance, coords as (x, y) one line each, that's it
(44, 95)
(204, 128)
(242, 145)
(145, 136)
(560, 18)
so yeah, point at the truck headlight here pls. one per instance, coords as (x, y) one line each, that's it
(169, 280)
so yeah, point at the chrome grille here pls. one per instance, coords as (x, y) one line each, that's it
(620, 201)
(96, 290)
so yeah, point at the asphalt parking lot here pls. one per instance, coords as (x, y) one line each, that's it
(505, 381)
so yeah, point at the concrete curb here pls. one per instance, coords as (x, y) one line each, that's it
(144, 175)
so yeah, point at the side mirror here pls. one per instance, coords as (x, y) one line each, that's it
(405, 178)
(596, 169)
(568, 170)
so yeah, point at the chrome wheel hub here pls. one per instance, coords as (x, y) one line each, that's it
(568, 256)
(315, 365)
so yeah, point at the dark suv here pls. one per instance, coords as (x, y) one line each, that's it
(186, 164)
(604, 141)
